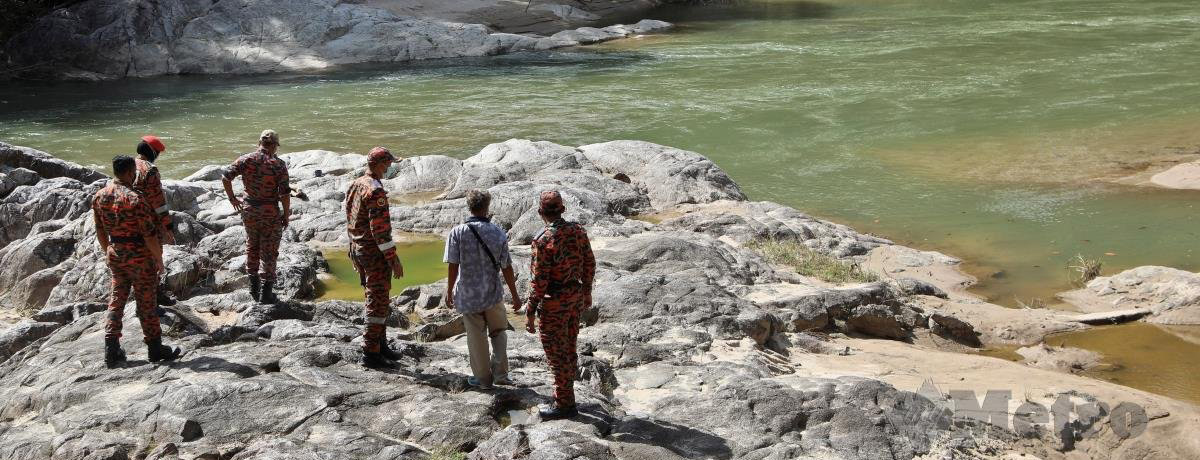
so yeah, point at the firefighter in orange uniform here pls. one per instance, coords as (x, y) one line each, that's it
(265, 178)
(127, 231)
(374, 254)
(563, 268)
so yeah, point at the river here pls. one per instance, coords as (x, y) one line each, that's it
(988, 130)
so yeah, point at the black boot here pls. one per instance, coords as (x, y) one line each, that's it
(387, 351)
(113, 354)
(376, 360)
(156, 351)
(254, 287)
(553, 412)
(268, 297)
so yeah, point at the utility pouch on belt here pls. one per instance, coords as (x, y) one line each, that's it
(362, 278)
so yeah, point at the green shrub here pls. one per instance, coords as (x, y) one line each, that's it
(807, 262)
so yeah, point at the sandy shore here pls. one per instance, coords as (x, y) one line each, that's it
(909, 366)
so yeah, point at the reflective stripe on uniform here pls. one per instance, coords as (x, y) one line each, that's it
(376, 320)
(387, 245)
(161, 209)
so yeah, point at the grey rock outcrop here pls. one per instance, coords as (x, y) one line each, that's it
(1165, 295)
(682, 354)
(20, 335)
(96, 39)
(46, 166)
(886, 321)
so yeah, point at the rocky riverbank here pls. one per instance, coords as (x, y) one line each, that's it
(100, 39)
(696, 347)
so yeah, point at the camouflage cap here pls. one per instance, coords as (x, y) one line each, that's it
(551, 202)
(268, 136)
(379, 154)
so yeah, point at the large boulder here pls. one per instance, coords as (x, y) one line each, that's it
(894, 322)
(34, 290)
(106, 39)
(20, 335)
(11, 178)
(45, 165)
(669, 176)
(1169, 295)
(29, 256)
(55, 198)
(430, 173)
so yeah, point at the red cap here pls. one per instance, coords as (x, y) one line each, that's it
(379, 154)
(155, 143)
(551, 202)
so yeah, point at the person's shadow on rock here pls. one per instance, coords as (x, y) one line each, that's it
(213, 364)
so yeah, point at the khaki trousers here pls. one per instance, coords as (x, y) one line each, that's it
(492, 324)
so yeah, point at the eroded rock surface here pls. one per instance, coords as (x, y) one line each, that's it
(694, 346)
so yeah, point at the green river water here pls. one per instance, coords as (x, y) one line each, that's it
(987, 130)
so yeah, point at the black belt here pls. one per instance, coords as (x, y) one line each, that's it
(555, 289)
(254, 202)
(128, 239)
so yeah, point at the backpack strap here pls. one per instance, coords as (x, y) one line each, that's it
(487, 251)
